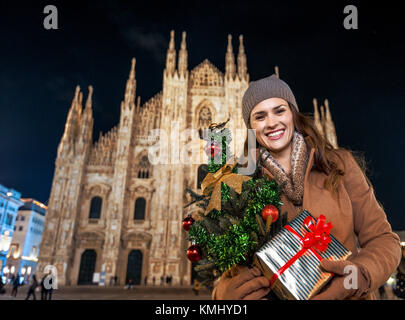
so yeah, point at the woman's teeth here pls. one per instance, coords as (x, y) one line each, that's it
(276, 134)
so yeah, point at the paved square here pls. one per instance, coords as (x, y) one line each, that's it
(114, 293)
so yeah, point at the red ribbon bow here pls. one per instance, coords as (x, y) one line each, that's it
(318, 237)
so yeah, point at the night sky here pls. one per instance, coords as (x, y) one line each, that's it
(361, 72)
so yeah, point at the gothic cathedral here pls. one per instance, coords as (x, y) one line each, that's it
(110, 210)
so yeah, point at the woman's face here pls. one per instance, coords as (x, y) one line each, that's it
(273, 120)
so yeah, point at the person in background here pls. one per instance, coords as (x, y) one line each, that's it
(31, 289)
(50, 290)
(2, 290)
(16, 284)
(44, 291)
(130, 284)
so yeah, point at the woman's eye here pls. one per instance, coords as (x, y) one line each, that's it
(280, 111)
(259, 117)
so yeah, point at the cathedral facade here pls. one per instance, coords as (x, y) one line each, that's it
(111, 211)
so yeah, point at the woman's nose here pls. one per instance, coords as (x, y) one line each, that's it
(271, 122)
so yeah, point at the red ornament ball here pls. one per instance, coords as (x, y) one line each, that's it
(187, 222)
(213, 149)
(270, 210)
(194, 253)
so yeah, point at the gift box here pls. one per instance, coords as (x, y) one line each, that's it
(291, 259)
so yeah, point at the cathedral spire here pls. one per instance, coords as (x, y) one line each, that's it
(73, 115)
(75, 98)
(330, 131)
(322, 108)
(171, 56)
(131, 85)
(88, 109)
(229, 60)
(242, 65)
(81, 100)
(182, 64)
(86, 130)
(317, 120)
(276, 72)
(72, 124)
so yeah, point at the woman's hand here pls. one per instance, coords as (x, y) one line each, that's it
(248, 284)
(339, 288)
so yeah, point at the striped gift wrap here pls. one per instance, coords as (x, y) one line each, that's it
(304, 278)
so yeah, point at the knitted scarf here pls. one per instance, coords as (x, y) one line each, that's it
(294, 182)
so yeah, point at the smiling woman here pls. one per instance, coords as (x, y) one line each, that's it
(316, 177)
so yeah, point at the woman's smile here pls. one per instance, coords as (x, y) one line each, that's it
(276, 134)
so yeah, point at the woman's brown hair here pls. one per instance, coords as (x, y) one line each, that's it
(325, 156)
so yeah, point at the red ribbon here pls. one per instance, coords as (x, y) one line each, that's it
(316, 239)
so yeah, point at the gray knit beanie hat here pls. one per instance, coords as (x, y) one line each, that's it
(266, 88)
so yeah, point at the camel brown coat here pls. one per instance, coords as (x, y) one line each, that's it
(359, 221)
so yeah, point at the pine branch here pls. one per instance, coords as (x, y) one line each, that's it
(196, 197)
(261, 225)
(211, 226)
(224, 222)
(254, 236)
(204, 267)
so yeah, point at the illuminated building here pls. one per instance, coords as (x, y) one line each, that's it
(24, 248)
(9, 204)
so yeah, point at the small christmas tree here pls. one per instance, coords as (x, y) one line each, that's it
(235, 223)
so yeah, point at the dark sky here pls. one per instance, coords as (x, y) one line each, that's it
(361, 72)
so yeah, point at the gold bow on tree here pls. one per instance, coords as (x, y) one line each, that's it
(212, 182)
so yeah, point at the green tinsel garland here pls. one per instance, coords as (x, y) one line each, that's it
(235, 243)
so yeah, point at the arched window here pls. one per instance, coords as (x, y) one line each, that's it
(140, 205)
(202, 172)
(95, 208)
(204, 120)
(143, 170)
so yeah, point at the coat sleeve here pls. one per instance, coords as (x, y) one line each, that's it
(380, 251)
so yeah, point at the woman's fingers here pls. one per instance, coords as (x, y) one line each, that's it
(258, 294)
(254, 285)
(246, 274)
(244, 283)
